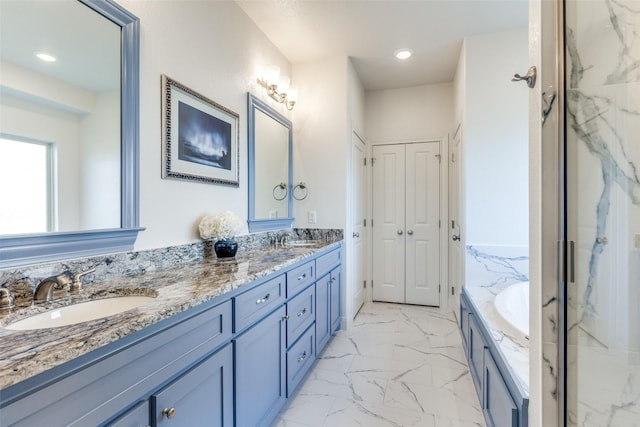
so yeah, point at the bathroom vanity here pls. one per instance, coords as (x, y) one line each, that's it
(224, 342)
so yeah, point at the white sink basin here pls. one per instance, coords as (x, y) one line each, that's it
(80, 312)
(301, 243)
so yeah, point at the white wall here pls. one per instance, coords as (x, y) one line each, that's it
(216, 50)
(412, 113)
(496, 139)
(320, 129)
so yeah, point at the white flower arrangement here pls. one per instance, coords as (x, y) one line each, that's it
(221, 226)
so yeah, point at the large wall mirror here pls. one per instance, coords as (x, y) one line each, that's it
(69, 96)
(270, 168)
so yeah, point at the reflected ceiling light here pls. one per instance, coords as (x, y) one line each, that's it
(278, 87)
(45, 57)
(403, 53)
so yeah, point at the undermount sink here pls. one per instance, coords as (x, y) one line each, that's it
(80, 312)
(301, 243)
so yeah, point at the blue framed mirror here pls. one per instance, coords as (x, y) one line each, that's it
(270, 167)
(89, 197)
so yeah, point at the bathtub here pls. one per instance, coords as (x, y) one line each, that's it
(512, 305)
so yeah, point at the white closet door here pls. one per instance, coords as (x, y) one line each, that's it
(422, 216)
(388, 223)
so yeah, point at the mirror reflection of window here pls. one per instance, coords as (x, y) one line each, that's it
(26, 204)
(272, 167)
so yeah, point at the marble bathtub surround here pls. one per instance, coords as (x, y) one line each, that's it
(176, 288)
(489, 270)
(399, 365)
(22, 281)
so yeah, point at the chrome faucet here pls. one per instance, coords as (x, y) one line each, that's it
(6, 299)
(285, 238)
(44, 290)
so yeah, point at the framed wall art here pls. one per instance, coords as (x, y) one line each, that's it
(200, 138)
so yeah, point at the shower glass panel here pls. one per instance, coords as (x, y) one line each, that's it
(602, 117)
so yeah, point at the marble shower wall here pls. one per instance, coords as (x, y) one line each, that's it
(603, 173)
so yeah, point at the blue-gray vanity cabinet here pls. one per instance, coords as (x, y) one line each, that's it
(476, 347)
(301, 313)
(200, 397)
(138, 416)
(260, 371)
(300, 277)
(327, 297)
(499, 408)
(95, 388)
(256, 303)
(503, 401)
(300, 357)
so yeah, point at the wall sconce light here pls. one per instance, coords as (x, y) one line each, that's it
(278, 87)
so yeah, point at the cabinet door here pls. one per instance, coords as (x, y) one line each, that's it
(260, 371)
(300, 357)
(323, 316)
(201, 397)
(334, 295)
(476, 355)
(499, 407)
(138, 416)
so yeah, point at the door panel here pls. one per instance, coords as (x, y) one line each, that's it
(359, 231)
(422, 224)
(406, 235)
(388, 217)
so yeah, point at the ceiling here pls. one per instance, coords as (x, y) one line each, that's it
(370, 31)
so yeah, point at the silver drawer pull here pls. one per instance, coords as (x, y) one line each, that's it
(285, 317)
(302, 356)
(263, 300)
(304, 310)
(304, 276)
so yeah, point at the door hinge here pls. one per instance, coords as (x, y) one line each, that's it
(364, 284)
(372, 284)
(439, 223)
(365, 222)
(453, 290)
(365, 161)
(373, 161)
(439, 158)
(439, 288)
(453, 223)
(371, 222)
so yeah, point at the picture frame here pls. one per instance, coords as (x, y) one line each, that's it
(200, 138)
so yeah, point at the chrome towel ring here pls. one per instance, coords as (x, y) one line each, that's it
(300, 191)
(280, 191)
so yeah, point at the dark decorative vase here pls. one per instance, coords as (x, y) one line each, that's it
(226, 248)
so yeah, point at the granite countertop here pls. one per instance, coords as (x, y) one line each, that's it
(24, 354)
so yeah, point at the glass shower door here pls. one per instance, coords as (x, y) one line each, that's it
(602, 152)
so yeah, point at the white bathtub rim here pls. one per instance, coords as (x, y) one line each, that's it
(513, 310)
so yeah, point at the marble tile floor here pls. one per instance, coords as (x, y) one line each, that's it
(398, 366)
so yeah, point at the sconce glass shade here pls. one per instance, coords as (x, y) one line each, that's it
(272, 75)
(292, 95)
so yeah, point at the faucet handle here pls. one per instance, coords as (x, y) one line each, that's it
(76, 286)
(63, 280)
(6, 299)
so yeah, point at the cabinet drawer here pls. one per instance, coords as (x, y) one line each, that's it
(137, 416)
(202, 396)
(252, 305)
(301, 313)
(499, 408)
(300, 357)
(326, 262)
(300, 277)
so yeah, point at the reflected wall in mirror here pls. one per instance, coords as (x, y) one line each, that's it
(65, 111)
(68, 129)
(270, 167)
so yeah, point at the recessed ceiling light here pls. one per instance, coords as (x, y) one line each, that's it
(46, 57)
(403, 53)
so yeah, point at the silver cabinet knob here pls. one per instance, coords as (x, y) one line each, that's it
(169, 412)
(410, 232)
(399, 232)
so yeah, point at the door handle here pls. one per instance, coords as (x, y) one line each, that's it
(356, 235)
(410, 232)
(455, 237)
(399, 232)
